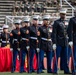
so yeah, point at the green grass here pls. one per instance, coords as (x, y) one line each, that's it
(16, 73)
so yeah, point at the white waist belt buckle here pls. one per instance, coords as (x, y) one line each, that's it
(33, 38)
(46, 39)
(23, 38)
(5, 41)
(15, 39)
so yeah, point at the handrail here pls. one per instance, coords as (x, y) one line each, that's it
(70, 6)
(9, 19)
(29, 16)
(61, 3)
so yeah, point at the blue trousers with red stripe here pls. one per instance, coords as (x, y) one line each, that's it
(49, 60)
(74, 59)
(62, 50)
(15, 53)
(23, 53)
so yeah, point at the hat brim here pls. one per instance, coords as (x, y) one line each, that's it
(35, 19)
(17, 23)
(26, 21)
(62, 12)
(45, 19)
(5, 28)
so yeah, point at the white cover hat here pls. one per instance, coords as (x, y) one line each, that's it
(26, 19)
(46, 17)
(5, 27)
(35, 17)
(63, 11)
(40, 22)
(17, 21)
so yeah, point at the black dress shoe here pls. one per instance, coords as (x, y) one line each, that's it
(38, 72)
(54, 72)
(74, 73)
(49, 72)
(21, 72)
(67, 73)
(24, 71)
(12, 71)
(42, 72)
(30, 72)
(33, 71)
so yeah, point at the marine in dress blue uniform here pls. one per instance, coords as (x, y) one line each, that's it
(5, 36)
(40, 23)
(60, 41)
(24, 42)
(15, 42)
(45, 44)
(33, 40)
(72, 39)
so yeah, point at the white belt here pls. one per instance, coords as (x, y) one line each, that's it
(45, 39)
(33, 38)
(23, 38)
(15, 40)
(5, 41)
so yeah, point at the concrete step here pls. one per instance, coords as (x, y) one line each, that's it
(5, 13)
(7, 1)
(1, 25)
(51, 7)
(69, 15)
(2, 15)
(2, 19)
(54, 11)
(69, 11)
(6, 10)
(65, 5)
(51, 11)
(6, 6)
(2, 22)
(39, 13)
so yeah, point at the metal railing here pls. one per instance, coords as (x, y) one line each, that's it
(70, 6)
(61, 2)
(11, 18)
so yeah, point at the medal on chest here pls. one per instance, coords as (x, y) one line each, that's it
(50, 30)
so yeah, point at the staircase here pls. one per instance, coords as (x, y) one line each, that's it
(69, 8)
(64, 5)
(6, 7)
(51, 10)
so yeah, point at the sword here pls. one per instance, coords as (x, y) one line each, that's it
(28, 49)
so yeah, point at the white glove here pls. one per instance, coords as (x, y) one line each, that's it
(11, 49)
(54, 46)
(27, 47)
(38, 50)
(71, 43)
(18, 49)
